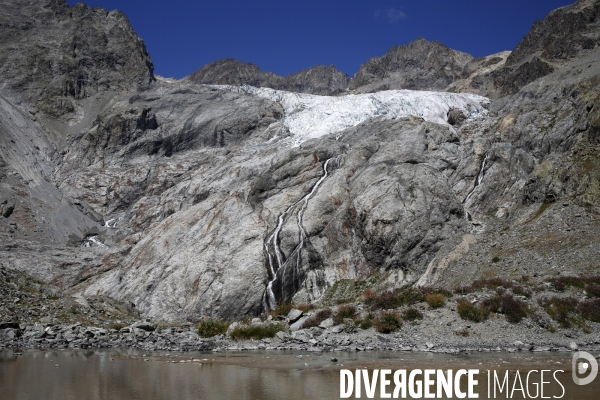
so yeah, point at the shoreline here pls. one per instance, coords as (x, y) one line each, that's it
(314, 340)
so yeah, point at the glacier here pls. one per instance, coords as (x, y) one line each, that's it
(310, 116)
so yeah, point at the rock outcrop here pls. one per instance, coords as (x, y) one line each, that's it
(319, 79)
(566, 33)
(53, 54)
(420, 65)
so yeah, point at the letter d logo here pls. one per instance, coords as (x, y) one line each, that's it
(590, 364)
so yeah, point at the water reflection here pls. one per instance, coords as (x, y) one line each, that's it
(123, 374)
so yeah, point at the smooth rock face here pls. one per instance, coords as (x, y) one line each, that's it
(320, 79)
(420, 65)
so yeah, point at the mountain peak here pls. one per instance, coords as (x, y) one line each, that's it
(418, 65)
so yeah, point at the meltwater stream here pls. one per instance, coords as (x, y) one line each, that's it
(276, 261)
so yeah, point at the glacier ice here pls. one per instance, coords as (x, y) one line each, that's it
(310, 116)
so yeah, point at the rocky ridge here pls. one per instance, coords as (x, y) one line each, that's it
(420, 65)
(319, 79)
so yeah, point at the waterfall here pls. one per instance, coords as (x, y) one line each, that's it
(477, 183)
(93, 240)
(112, 223)
(273, 240)
(276, 260)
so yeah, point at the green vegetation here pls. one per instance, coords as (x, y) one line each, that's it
(343, 312)
(304, 307)
(387, 322)
(514, 309)
(435, 300)
(281, 309)
(472, 312)
(406, 296)
(562, 310)
(316, 319)
(210, 327)
(495, 259)
(412, 314)
(568, 311)
(366, 322)
(591, 284)
(116, 326)
(256, 332)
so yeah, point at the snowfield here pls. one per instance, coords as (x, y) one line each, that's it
(310, 116)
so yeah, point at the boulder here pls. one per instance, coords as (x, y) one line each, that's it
(294, 315)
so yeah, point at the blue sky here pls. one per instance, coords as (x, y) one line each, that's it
(286, 36)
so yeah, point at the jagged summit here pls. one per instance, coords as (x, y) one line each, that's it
(320, 79)
(420, 65)
(566, 33)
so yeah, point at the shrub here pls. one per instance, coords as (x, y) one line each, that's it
(316, 319)
(395, 298)
(563, 310)
(590, 310)
(435, 300)
(462, 290)
(210, 328)
(304, 307)
(345, 311)
(387, 322)
(581, 282)
(593, 290)
(412, 314)
(116, 326)
(367, 294)
(366, 322)
(514, 309)
(495, 259)
(281, 309)
(256, 332)
(471, 312)
(493, 304)
(521, 291)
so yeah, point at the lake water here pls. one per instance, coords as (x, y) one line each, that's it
(264, 375)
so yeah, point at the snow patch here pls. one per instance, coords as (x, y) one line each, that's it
(309, 116)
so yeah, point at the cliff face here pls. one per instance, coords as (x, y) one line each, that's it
(565, 34)
(320, 79)
(192, 200)
(54, 55)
